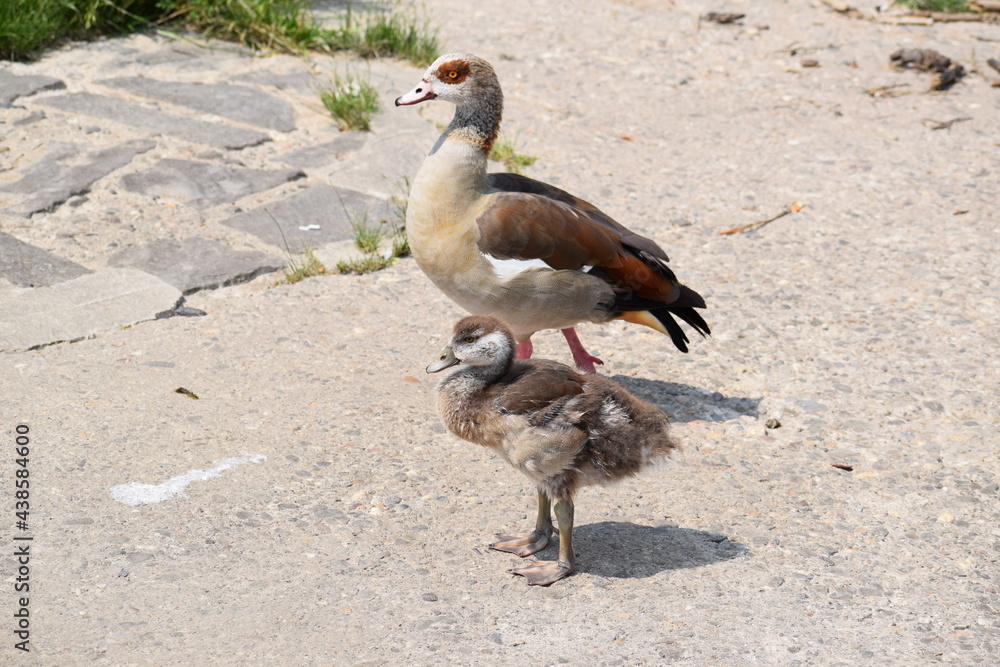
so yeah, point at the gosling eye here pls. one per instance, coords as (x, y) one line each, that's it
(469, 339)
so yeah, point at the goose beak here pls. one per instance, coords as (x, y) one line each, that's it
(447, 360)
(421, 93)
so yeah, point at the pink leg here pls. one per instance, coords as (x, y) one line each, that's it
(524, 350)
(584, 360)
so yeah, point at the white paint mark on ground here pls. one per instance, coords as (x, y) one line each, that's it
(137, 493)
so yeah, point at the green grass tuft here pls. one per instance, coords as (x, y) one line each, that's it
(369, 241)
(366, 238)
(364, 264)
(938, 5)
(303, 266)
(351, 102)
(389, 33)
(398, 203)
(505, 151)
(28, 26)
(278, 25)
(400, 243)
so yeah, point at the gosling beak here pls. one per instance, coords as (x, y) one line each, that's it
(419, 94)
(447, 360)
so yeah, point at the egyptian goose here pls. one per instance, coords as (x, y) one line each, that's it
(562, 429)
(522, 250)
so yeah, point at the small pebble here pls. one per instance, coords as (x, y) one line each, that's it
(946, 517)
(429, 597)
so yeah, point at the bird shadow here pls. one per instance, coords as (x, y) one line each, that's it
(622, 550)
(685, 403)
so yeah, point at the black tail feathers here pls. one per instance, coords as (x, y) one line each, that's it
(684, 308)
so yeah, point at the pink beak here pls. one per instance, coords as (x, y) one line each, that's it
(419, 94)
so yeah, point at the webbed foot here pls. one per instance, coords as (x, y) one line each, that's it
(544, 572)
(522, 545)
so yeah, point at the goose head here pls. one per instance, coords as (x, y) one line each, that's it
(480, 342)
(460, 78)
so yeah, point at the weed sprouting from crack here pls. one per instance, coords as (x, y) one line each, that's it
(303, 265)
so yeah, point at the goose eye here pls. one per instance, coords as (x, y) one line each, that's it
(469, 339)
(453, 74)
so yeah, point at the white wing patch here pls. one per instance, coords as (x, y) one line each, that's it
(504, 268)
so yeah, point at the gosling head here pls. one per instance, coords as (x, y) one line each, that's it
(478, 341)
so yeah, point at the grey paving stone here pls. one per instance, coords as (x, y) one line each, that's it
(338, 251)
(203, 185)
(298, 82)
(186, 56)
(323, 154)
(239, 103)
(82, 308)
(32, 117)
(127, 113)
(347, 250)
(49, 182)
(381, 167)
(332, 209)
(25, 265)
(47, 167)
(13, 86)
(196, 264)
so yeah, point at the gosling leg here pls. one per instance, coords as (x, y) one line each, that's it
(542, 572)
(538, 539)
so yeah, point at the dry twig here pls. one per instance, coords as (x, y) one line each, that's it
(943, 124)
(722, 18)
(794, 208)
(889, 91)
(954, 17)
(843, 8)
(905, 19)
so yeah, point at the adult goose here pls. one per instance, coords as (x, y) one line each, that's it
(562, 429)
(522, 250)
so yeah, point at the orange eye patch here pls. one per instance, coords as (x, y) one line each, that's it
(453, 71)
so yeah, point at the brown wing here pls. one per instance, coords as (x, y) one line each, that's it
(536, 384)
(519, 183)
(532, 220)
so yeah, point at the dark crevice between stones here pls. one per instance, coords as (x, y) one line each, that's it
(180, 310)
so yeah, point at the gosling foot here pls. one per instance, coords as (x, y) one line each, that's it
(522, 545)
(544, 572)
